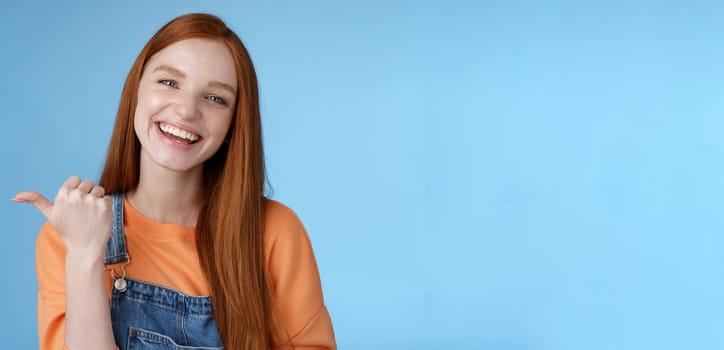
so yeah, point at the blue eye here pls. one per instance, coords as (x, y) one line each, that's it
(169, 83)
(217, 99)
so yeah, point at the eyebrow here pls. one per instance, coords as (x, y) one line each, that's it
(182, 75)
(224, 86)
(171, 70)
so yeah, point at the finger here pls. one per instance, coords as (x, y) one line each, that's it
(71, 183)
(43, 205)
(85, 186)
(98, 191)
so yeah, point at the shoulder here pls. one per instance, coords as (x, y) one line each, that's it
(283, 228)
(279, 219)
(294, 278)
(49, 241)
(50, 259)
(278, 212)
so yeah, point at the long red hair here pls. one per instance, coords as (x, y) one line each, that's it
(230, 223)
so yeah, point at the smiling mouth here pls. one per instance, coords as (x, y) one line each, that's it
(177, 135)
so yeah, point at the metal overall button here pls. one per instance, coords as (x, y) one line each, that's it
(119, 282)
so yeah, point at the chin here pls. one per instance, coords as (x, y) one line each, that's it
(178, 168)
(177, 165)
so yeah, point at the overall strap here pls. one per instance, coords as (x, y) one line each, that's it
(116, 249)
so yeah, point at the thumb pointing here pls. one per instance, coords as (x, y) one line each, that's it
(41, 203)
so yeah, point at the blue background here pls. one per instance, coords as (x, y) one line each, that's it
(481, 175)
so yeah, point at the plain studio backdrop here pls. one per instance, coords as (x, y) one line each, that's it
(473, 175)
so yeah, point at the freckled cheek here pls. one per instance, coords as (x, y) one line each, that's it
(152, 104)
(147, 108)
(221, 124)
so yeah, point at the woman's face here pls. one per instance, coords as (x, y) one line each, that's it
(186, 100)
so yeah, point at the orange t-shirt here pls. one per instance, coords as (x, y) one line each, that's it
(165, 254)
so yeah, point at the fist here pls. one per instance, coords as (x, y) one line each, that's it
(81, 214)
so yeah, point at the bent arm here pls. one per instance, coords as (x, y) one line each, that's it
(72, 298)
(88, 316)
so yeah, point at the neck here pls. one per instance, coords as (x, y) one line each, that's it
(168, 196)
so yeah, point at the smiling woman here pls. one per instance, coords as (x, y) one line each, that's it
(186, 80)
(177, 234)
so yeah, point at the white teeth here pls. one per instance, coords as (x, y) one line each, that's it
(178, 132)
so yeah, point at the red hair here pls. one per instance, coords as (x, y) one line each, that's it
(230, 223)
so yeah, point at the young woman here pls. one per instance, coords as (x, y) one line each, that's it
(178, 234)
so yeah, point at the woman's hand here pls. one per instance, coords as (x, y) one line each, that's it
(81, 214)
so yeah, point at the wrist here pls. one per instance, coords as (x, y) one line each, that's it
(83, 260)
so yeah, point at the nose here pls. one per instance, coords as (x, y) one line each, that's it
(187, 105)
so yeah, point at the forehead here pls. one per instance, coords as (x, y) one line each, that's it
(199, 59)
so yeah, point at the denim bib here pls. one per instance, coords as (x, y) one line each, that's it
(146, 316)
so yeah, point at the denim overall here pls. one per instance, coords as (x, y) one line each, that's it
(146, 316)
